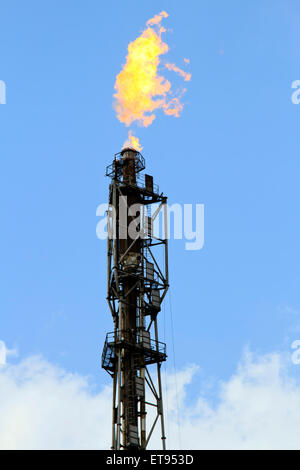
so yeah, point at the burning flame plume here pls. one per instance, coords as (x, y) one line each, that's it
(133, 142)
(140, 91)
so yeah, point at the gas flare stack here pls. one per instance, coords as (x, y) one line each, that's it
(137, 282)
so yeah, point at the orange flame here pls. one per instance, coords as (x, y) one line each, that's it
(157, 18)
(133, 142)
(140, 91)
(186, 76)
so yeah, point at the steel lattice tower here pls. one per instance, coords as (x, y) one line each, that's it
(136, 287)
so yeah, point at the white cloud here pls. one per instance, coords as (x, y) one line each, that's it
(44, 407)
(259, 408)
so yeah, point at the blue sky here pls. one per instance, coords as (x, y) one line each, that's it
(235, 149)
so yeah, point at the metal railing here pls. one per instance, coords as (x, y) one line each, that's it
(131, 338)
(140, 183)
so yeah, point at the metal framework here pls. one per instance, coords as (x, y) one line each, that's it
(136, 287)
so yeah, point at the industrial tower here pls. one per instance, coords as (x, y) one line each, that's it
(137, 282)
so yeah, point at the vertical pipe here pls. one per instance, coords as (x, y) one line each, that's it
(142, 370)
(166, 242)
(130, 315)
(142, 325)
(160, 404)
(119, 382)
(113, 445)
(143, 414)
(115, 261)
(108, 254)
